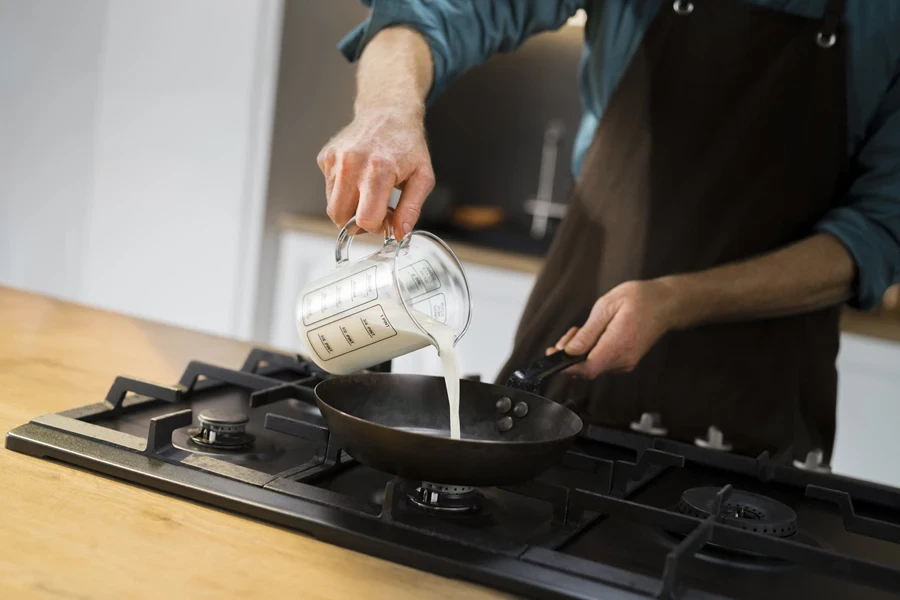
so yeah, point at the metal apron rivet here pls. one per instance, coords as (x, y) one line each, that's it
(683, 8)
(825, 42)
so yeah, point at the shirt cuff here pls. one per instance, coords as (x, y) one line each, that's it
(863, 239)
(387, 14)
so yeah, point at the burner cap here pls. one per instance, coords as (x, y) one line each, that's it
(745, 510)
(222, 419)
(222, 429)
(448, 499)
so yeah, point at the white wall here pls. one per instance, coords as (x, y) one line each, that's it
(49, 83)
(140, 138)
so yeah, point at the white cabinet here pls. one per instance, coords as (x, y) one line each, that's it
(498, 297)
(867, 444)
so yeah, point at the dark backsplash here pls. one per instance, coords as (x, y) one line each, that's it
(486, 131)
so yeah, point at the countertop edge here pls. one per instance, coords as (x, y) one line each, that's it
(479, 255)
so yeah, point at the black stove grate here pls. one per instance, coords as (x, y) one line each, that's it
(388, 529)
(711, 529)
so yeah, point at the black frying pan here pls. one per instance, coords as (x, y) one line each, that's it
(401, 424)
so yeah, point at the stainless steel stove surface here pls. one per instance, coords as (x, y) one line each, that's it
(625, 515)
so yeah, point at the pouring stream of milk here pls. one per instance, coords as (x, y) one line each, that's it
(444, 337)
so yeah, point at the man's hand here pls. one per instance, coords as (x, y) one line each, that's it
(813, 273)
(384, 147)
(623, 325)
(378, 151)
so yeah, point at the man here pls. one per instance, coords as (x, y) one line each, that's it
(738, 173)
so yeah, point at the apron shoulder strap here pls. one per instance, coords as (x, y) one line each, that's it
(834, 12)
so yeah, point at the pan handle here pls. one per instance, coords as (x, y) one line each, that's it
(531, 377)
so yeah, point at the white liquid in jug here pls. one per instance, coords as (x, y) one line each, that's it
(348, 325)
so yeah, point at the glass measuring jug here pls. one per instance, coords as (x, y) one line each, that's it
(384, 305)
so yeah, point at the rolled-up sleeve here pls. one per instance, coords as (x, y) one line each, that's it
(868, 223)
(460, 33)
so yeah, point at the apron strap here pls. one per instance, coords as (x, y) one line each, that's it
(834, 11)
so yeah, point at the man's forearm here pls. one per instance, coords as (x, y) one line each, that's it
(395, 72)
(813, 273)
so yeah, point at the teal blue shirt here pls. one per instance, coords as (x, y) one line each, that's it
(464, 33)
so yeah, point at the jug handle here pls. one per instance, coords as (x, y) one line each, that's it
(345, 237)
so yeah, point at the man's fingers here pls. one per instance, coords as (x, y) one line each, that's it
(590, 332)
(616, 350)
(584, 339)
(374, 195)
(562, 341)
(602, 357)
(567, 336)
(329, 185)
(414, 192)
(599, 360)
(345, 191)
(325, 160)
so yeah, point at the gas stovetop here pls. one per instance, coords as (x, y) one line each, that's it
(625, 514)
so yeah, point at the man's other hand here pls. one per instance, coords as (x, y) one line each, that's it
(623, 325)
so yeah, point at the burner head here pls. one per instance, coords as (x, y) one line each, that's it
(745, 510)
(222, 429)
(446, 499)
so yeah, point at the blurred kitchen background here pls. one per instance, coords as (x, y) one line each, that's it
(157, 158)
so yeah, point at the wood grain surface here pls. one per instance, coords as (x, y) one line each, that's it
(71, 534)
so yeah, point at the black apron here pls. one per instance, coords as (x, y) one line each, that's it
(725, 139)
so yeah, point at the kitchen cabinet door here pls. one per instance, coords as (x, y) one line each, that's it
(867, 444)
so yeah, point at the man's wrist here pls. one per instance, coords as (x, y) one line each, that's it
(394, 74)
(685, 307)
(392, 108)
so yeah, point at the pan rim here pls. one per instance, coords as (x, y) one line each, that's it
(447, 439)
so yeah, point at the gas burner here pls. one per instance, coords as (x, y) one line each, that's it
(446, 499)
(744, 510)
(224, 430)
(748, 511)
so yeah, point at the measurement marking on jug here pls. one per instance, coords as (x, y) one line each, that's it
(433, 306)
(325, 343)
(340, 296)
(348, 334)
(420, 279)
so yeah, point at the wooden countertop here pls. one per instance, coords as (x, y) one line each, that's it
(69, 533)
(883, 324)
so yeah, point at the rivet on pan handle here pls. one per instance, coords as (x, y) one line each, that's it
(531, 377)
